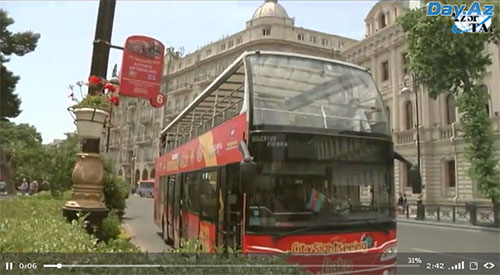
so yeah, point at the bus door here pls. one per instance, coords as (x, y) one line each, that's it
(177, 211)
(208, 213)
(170, 207)
(191, 205)
(185, 207)
(233, 207)
(164, 206)
(222, 230)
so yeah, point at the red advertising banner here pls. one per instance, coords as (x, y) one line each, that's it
(142, 68)
(216, 147)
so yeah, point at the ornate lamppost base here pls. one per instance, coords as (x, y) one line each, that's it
(87, 197)
(93, 217)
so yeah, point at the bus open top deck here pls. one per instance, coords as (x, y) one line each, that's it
(282, 153)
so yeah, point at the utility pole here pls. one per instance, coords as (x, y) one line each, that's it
(100, 56)
(103, 31)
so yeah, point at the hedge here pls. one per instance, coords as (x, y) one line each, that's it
(35, 224)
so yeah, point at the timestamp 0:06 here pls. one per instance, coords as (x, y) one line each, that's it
(28, 266)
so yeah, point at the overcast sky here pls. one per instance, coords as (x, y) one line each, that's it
(67, 30)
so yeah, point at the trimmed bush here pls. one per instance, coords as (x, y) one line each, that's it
(110, 228)
(115, 193)
(36, 224)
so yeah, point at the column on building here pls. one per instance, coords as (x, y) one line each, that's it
(395, 89)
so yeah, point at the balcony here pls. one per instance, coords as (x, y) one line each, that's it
(142, 139)
(182, 87)
(125, 160)
(405, 137)
(445, 132)
(201, 79)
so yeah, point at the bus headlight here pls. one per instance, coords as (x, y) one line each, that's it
(389, 253)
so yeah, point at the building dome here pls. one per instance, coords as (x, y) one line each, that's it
(270, 8)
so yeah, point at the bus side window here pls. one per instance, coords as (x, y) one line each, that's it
(193, 192)
(208, 195)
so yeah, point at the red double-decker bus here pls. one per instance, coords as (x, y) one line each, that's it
(283, 153)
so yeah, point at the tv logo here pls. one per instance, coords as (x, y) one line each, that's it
(473, 20)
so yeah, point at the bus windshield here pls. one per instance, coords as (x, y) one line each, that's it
(146, 184)
(320, 194)
(301, 92)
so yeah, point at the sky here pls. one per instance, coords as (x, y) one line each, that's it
(67, 30)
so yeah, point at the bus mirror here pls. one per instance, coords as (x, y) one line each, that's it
(415, 180)
(248, 170)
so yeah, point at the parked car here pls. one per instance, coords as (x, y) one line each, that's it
(145, 188)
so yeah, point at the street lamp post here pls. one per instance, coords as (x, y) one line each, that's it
(88, 173)
(133, 158)
(420, 206)
(415, 91)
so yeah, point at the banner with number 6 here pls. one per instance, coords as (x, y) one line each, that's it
(158, 101)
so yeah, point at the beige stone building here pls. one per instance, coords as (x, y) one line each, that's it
(443, 163)
(133, 139)
(133, 142)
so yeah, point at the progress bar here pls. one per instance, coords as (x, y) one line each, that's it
(208, 265)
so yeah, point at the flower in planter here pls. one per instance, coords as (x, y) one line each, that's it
(115, 100)
(95, 80)
(97, 97)
(110, 87)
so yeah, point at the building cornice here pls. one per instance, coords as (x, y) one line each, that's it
(244, 46)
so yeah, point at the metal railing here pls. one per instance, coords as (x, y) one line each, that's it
(468, 213)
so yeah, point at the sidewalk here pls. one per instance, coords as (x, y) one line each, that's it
(447, 224)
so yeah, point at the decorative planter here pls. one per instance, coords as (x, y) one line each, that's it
(89, 122)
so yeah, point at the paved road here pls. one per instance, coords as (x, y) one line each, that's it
(139, 222)
(428, 238)
(412, 238)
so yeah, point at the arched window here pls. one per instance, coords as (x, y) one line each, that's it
(405, 172)
(450, 109)
(153, 174)
(137, 175)
(381, 21)
(409, 115)
(145, 174)
(186, 101)
(178, 105)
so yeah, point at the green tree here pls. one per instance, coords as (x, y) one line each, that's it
(12, 43)
(25, 157)
(446, 62)
(62, 161)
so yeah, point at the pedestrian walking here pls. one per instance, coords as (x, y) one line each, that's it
(24, 186)
(405, 203)
(401, 203)
(33, 187)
